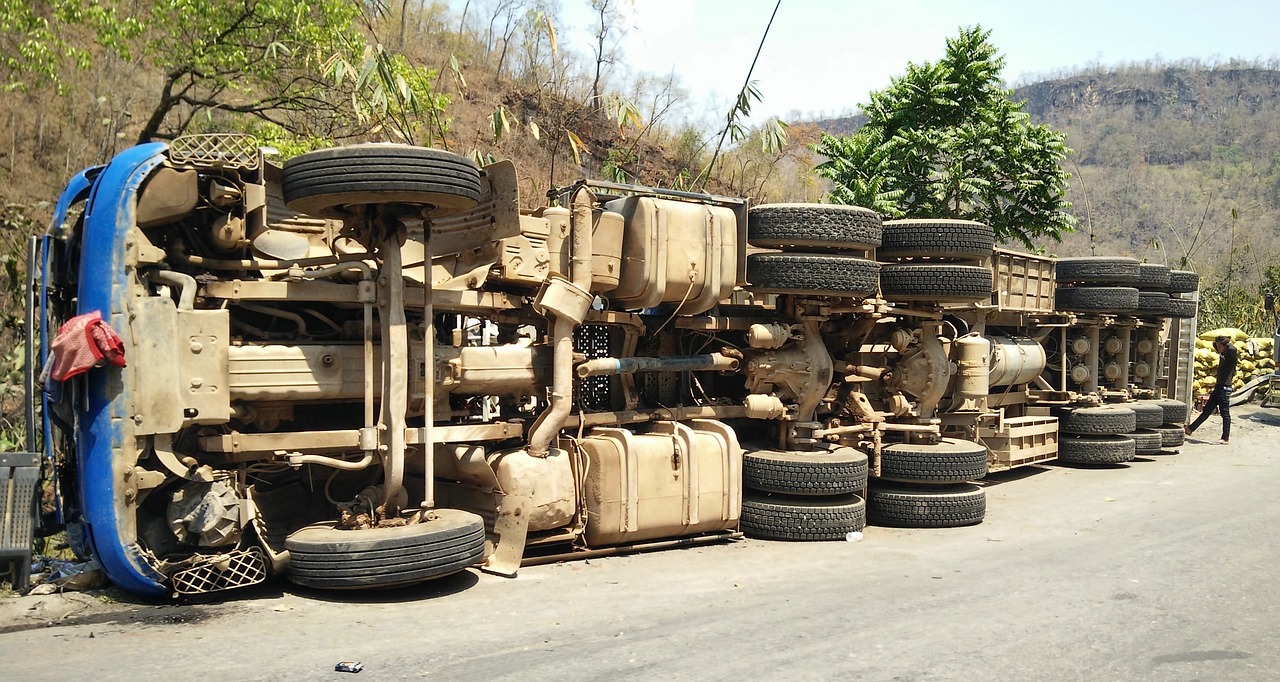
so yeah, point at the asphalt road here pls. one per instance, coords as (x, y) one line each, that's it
(1159, 570)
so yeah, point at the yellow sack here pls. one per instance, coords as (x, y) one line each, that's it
(1235, 334)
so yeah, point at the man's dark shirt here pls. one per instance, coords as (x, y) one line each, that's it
(1227, 366)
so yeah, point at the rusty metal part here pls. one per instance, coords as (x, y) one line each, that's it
(712, 362)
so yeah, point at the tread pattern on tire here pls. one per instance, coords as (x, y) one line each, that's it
(1096, 449)
(782, 517)
(926, 507)
(1146, 441)
(1097, 270)
(840, 472)
(1153, 303)
(323, 556)
(953, 239)
(1153, 277)
(1147, 414)
(942, 282)
(1183, 282)
(1097, 299)
(1180, 308)
(1103, 420)
(324, 181)
(1171, 436)
(813, 226)
(813, 274)
(947, 461)
(1175, 411)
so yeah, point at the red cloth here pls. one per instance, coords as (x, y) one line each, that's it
(83, 343)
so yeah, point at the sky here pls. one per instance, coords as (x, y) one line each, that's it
(823, 57)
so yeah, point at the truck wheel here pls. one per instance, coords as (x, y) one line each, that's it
(840, 472)
(942, 282)
(1097, 270)
(1096, 449)
(813, 274)
(1147, 414)
(1171, 436)
(947, 461)
(1146, 441)
(1182, 282)
(780, 517)
(813, 227)
(1104, 420)
(323, 556)
(948, 239)
(1175, 411)
(1153, 303)
(1097, 299)
(1180, 308)
(328, 182)
(1153, 277)
(932, 507)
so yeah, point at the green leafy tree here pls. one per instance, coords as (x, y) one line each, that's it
(945, 141)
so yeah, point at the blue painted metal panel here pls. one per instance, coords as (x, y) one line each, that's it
(104, 286)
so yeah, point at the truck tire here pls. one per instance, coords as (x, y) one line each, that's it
(946, 239)
(1097, 270)
(813, 227)
(840, 472)
(1097, 299)
(1180, 308)
(1146, 441)
(1105, 420)
(1153, 303)
(780, 517)
(324, 556)
(1171, 436)
(1147, 413)
(332, 182)
(1153, 277)
(1182, 282)
(1175, 411)
(813, 274)
(1096, 449)
(947, 461)
(941, 282)
(927, 507)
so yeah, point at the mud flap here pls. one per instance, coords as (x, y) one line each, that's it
(505, 545)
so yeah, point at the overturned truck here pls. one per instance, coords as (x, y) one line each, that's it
(370, 367)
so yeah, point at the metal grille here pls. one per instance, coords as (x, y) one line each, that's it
(219, 150)
(593, 341)
(223, 572)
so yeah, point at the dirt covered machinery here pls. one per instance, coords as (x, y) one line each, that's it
(371, 367)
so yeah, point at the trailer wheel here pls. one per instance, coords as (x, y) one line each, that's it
(1097, 270)
(813, 227)
(330, 182)
(1104, 420)
(1183, 282)
(944, 239)
(323, 556)
(926, 507)
(1180, 308)
(1175, 411)
(947, 461)
(813, 274)
(1147, 413)
(1154, 277)
(942, 282)
(1171, 436)
(1096, 449)
(1097, 299)
(1153, 303)
(782, 517)
(840, 472)
(1146, 441)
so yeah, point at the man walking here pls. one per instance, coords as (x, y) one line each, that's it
(1220, 398)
